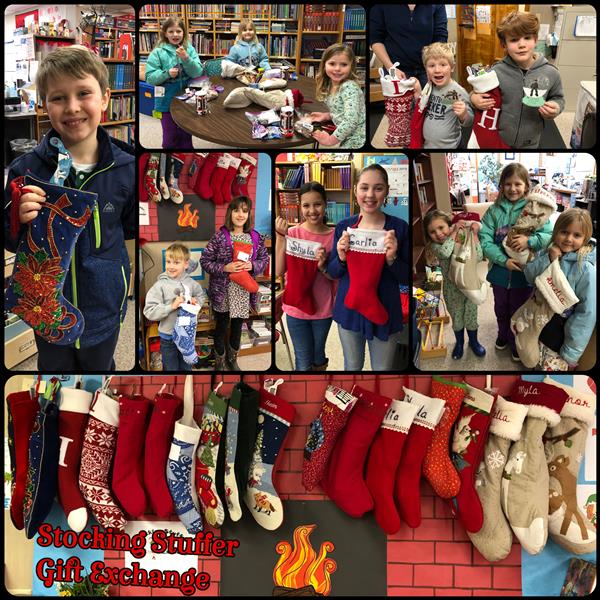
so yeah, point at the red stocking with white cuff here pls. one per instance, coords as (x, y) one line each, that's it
(301, 265)
(239, 186)
(243, 251)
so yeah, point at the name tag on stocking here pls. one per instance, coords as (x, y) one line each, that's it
(367, 240)
(301, 248)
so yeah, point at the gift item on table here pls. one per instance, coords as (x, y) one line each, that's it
(287, 121)
(244, 96)
(201, 103)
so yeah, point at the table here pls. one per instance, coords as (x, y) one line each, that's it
(230, 127)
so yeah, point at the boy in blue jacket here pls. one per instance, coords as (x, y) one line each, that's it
(73, 85)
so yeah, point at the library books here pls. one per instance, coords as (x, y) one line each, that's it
(320, 21)
(354, 18)
(121, 76)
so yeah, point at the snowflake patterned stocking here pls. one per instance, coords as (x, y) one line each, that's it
(72, 419)
(274, 419)
(323, 434)
(494, 539)
(384, 458)
(468, 443)
(42, 261)
(184, 332)
(407, 490)
(437, 466)
(211, 429)
(525, 480)
(22, 410)
(565, 446)
(42, 473)
(99, 443)
(398, 112)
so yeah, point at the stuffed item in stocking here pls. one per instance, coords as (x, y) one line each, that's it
(22, 411)
(243, 251)
(418, 118)
(42, 472)
(151, 178)
(468, 443)
(553, 294)
(245, 96)
(246, 168)
(184, 332)
(494, 539)
(485, 133)
(99, 443)
(365, 260)
(565, 447)
(534, 215)
(73, 416)
(42, 261)
(525, 481)
(398, 94)
(301, 264)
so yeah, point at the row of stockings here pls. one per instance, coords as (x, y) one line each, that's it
(161, 177)
(158, 456)
(369, 453)
(221, 176)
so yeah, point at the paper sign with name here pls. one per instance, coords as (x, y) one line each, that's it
(243, 256)
(301, 248)
(367, 240)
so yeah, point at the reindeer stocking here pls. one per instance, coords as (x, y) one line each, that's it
(524, 490)
(565, 445)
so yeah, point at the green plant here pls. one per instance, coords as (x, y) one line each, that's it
(84, 588)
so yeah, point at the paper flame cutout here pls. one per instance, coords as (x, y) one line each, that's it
(300, 566)
(187, 218)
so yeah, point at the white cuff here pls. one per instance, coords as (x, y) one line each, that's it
(400, 416)
(507, 419)
(429, 411)
(105, 409)
(184, 433)
(74, 400)
(579, 405)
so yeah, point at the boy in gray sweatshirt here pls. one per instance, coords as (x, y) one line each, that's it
(164, 298)
(525, 77)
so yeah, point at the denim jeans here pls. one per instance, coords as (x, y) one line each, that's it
(172, 359)
(381, 353)
(308, 337)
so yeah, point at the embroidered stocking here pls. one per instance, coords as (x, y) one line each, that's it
(99, 442)
(274, 419)
(243, 251)
(525, 480)
(468, 443)
(407, 490)
(35, 288)
(301, 264)
(184, 332)
(323, 434)
(365, 260)
(218, 177)
(151, 177)
(494, 539)
(239, 187)
(565, 447)
(231, 491)
(72, 419)
(437, 465)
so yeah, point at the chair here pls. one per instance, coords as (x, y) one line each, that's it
(282, 333)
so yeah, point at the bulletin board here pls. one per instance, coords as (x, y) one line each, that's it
(396, 166)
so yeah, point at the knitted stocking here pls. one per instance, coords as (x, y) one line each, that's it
(218, 177)
(35, 288)
(162, 180)
(174, 164)
(301, 265)
(231, 491)
(398, 112)
(184, 332)
(243, 251)
(151, 177)
(565, 445)
(239, 187)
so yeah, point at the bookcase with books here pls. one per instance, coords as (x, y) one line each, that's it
(423, 200)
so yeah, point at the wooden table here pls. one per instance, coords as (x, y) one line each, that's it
(230, 127)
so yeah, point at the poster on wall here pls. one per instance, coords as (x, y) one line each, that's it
(191, 221)
(396, 166)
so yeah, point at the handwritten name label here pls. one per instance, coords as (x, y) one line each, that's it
(366, 240)
(498, 415)
(557, 291)
(529, 391)
(302, 248)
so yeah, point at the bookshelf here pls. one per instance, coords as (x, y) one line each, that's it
(423, 200)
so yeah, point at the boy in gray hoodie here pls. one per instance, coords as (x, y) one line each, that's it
(164, 298)
(531, 87)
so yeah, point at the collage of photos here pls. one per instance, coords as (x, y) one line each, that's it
(300, 294)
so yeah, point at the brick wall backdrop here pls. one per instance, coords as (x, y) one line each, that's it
(150, 232)
(437, 558)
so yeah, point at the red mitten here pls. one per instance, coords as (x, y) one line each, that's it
(418, 118)
(243, 251)
(470, 435)
(301, 265)
(408, 476)
(239, 187)
(323, 434)
(345, 482)
(22, 410)
(167, 409)
(485, 132)
(129, 462)
(72, 419)
(203, 185)
(218, 177)
(365, 260)
(437, 466)
(384, 458)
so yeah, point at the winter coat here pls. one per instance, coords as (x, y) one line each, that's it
(582, 317)
(160, 298)
(249, 54)
(99, 284)
(163, 58)
(218, 253)
(496, 222)
(520, 125)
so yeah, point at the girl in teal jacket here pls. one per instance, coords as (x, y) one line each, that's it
(509, 285)
(247, 50)
(170, 67)
(565, 337)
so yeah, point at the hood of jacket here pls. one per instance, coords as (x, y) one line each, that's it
(590, 257)
(167, 282)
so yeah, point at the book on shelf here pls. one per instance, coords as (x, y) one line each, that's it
(354, 18)
(120, 108)
(123, 133)
(336, 211)
(320, 20)
(284, 11)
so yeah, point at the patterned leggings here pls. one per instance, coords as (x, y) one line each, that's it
(462, 310)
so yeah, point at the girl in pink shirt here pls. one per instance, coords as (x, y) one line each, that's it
(309, 330)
